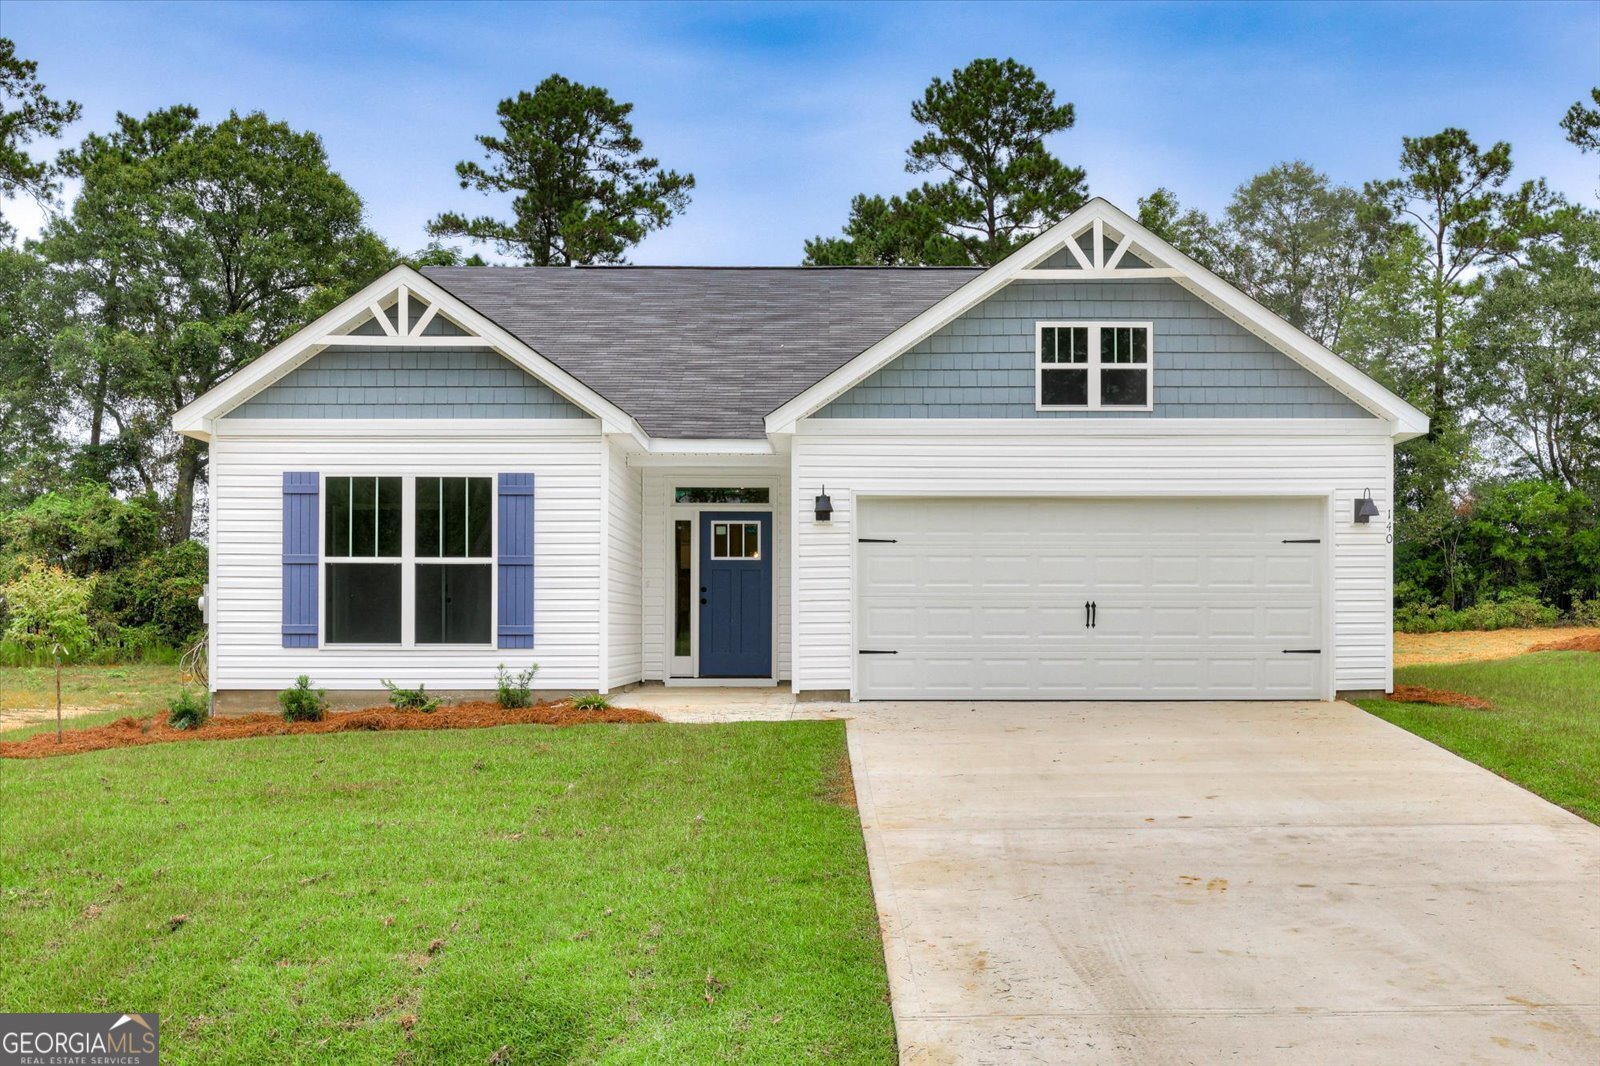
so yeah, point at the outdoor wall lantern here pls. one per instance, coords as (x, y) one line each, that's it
(1366, 510)
(824, 506)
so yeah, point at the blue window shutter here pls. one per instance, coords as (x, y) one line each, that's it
(300, 559)
(516, 561)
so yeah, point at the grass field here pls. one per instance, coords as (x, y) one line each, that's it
(659, 893)
(1543, 732)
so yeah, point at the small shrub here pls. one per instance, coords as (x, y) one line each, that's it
(303, 703)
(1586, 612)
(411, 699)
(46, 606)
(514, 690)
(186, 711)
(591, 701)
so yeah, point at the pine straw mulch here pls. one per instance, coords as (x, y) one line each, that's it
(1437, 696)
(131, 732)
(1589, 642)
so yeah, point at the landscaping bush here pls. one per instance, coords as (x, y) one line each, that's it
(303, 703)
(186, 711)
(514, 690)
(411, 699)
(591, 701)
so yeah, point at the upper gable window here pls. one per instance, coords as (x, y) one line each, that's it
(1093, 366)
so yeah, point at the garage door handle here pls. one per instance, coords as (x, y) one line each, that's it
(876, 540)
(1094, 614)
(874, 651)
(1086, 614)
(1302, 651)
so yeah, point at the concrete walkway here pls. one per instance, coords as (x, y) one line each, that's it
(1200, 883)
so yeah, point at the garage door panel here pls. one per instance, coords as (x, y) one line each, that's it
(984, 599)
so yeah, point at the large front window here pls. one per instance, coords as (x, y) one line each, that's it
(1093, 366)
(440, 563)
(453, 528)
(362, 539)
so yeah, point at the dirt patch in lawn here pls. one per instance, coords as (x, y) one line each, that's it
(1414, 649)
(21, 718)
(840, 788)
(1586, 643)
(1437, 696)
(130, 732)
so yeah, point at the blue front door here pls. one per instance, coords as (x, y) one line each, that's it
(735, 594)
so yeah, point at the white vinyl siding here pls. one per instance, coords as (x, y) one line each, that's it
(659, 483)
(624, 583)
(985, 459)
(247, 468)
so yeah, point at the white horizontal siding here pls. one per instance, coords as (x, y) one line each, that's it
(247, 543)
(967, 460)
(659, 483)
(624, 581)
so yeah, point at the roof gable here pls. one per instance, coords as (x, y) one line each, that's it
(982, 364)
(1100, 242)
(402, 310)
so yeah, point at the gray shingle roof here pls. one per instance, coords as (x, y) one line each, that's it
(699, 351)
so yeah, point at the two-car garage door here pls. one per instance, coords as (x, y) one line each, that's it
(1089, 599)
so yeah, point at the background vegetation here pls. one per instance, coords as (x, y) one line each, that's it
(192, 245)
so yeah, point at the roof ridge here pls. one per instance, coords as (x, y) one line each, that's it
(693, 266)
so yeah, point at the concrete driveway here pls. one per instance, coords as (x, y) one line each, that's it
(1201, 883)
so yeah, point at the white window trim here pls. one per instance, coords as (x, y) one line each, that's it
(408, 561)
(746, 523)
(1093, 366)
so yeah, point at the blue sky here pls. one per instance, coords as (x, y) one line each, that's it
(783, 111)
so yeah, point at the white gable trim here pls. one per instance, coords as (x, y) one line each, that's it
(199, 418)
(1096, 217)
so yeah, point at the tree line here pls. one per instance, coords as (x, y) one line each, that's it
(189, 246)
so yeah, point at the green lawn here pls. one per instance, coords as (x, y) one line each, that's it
(660, 893)
(1544, 730)
(137, 689)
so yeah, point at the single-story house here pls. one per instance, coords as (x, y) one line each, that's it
(1093, 470)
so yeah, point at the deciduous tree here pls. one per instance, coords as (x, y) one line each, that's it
(192, 249)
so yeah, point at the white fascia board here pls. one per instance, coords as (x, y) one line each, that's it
(409, 428)
(199, 419)
(1095, 427)
(1404, 420)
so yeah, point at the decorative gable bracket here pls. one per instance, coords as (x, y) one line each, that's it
(404, 318)
(1098, 250)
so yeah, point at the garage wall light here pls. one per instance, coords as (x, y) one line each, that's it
(824, 506)
(1366, 509)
